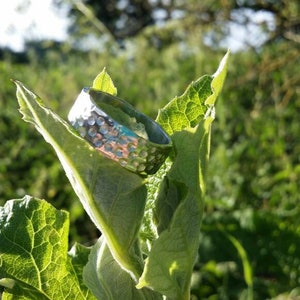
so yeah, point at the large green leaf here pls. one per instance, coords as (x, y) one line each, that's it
(182, 112)
(179, 211)
(179, 203)
(33, 253)
(113, 197)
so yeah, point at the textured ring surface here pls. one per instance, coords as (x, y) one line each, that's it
(119, 131)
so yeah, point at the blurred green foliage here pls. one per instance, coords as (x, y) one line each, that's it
(253, 188)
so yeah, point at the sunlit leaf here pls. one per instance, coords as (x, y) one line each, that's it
(179, 204)
(33, 253)
(104, 83)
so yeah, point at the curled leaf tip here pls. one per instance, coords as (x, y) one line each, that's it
(223, 64)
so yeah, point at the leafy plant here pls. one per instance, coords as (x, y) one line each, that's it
(150, 226)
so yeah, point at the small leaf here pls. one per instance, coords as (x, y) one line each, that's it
(107, 280)
(33, 252)
(104, 83)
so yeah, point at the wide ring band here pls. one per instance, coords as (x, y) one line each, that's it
(119, 131)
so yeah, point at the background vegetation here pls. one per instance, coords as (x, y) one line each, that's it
(152, 50)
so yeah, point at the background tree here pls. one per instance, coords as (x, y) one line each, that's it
(128, 18)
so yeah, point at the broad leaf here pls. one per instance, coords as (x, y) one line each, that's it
(113, 197)
(180, 201)
(179, 211)
(182, 112)
(33, 253)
